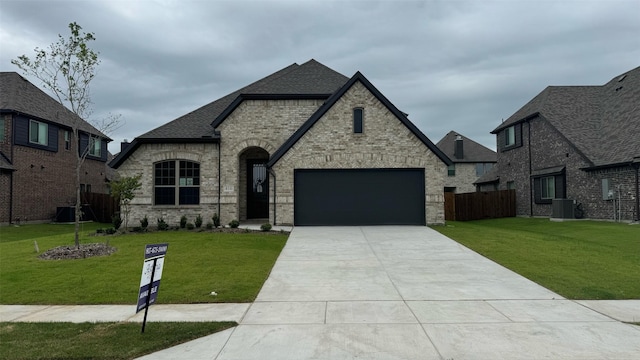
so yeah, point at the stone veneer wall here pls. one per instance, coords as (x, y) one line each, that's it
(266, 124)
(384, 143)
(464, 178)
(141, 162)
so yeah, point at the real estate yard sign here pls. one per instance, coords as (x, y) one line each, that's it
(151, 275)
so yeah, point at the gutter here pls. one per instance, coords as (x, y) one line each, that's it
(219, 170)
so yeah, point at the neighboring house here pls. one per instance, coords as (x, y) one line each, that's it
(305, 146)
(470, 161)
(579, 143)
(37, 159)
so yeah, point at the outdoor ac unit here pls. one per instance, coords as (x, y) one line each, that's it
(562, 209)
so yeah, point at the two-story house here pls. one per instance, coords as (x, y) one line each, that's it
(580, 143)
(471, 160)
(38, 153)
(305, 145)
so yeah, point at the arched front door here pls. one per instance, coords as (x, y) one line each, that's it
(257, 189)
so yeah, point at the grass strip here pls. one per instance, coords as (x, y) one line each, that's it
(588, 260)
(97, 340)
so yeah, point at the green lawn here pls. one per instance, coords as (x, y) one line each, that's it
(577, 259)
(197, 263)
(96, 340)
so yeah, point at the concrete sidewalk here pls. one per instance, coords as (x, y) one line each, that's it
(390, 293)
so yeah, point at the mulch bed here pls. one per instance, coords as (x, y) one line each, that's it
(71, 252)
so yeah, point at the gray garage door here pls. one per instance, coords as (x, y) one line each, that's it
(359, 197)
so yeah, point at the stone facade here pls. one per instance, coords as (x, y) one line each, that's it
(384, 143)
(544, 147)
(463, 180)
(142, 162)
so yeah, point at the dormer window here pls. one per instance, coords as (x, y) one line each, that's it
(510, 136)
(357, 120)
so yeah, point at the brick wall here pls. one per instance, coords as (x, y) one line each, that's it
(549, 149)
(44, 180)
(384, 143)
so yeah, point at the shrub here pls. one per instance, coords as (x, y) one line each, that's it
(162, 225)
(183, 221)
(137, 229)
(190, 226)
(100, 231)
(144, 223)
(198, 221)
(234, 224)
(116, 220)
(209, 225)
(110, 231)
(216, 220)
(265, 227)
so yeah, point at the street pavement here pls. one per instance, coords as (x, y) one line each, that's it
(387, 292)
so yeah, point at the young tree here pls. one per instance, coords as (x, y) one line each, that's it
(124, 189)
(66, 69)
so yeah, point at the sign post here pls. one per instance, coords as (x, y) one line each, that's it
(151, 275)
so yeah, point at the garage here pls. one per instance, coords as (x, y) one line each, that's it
(359, 197)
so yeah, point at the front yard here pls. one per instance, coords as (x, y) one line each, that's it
(234, 265)
(578, 259)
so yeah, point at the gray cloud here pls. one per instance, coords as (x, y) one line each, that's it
(452, 65)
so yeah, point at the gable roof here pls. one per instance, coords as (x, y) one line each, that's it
(18, 95)
(358, 77)
(473, 152)
(600, 121)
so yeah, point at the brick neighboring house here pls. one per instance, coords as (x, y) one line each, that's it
(305, 146)
(574, 142)
(37, 160)
(470, 161)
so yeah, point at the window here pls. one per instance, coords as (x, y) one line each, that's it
(95, 146)
(451, 170)
(180, 187)
(547, 187)
(511, 185)
(510, 136)
(357, 120)
(67, 140)
(38, 133)
(1, 130)
(483, 168)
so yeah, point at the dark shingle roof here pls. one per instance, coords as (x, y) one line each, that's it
(306, 79)
(17, 94)
(472, 151)
(602, 122)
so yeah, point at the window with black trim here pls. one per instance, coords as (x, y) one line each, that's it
(483, 168)
(510, 136)
(95, 146)
(67, 140)
(451, 170)
(38, 133)
(357, 120)
(177, 182)
(547, 187)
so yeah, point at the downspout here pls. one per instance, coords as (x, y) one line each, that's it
(11, 193)
(531, 182)
(636, 165)
(270, 170)
(219, 176)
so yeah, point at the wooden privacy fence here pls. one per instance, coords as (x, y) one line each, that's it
(99, 207)
(479, 205)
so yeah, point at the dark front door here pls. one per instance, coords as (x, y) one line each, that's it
(257, 190)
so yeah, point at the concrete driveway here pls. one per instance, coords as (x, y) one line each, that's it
(406, 292)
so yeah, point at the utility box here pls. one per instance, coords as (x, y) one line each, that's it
(562, 209)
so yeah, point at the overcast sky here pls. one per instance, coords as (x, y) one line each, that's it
(451, 65)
